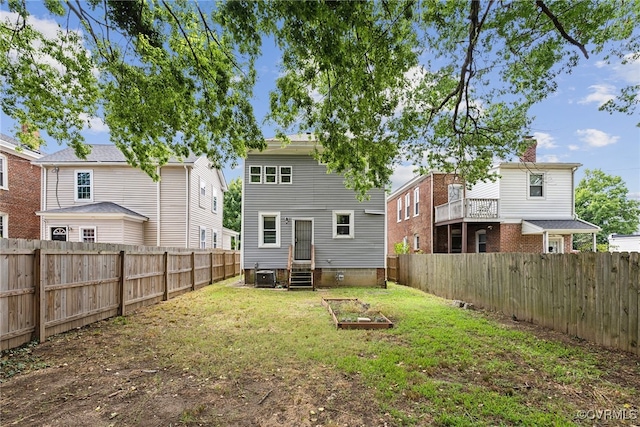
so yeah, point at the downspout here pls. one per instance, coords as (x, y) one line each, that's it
(433, 212)
(43, 202)
(158, 172)
(573, 194)
(188, 211)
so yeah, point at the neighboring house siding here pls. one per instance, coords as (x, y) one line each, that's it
(123, 185)
(312, 194)
(555, 204)
(201, 215)
(484, 190)
(20, 201)
(133, 233)
(173, 203)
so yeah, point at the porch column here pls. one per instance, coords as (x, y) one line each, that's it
(448, 238)
(545, 242)
(464, 238)
(593, 242)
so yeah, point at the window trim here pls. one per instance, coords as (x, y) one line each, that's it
(478, 234)
(542, 186)
(214, 238)
(274, 175)
(202, 242)
(399, 209)
(352, 224)
(416, 201)
(407, 207)
(259, 174)
(290, 175)
(81, 236)
(214, 199)
(4, 228)
(416, 242)
(75, 185)
(4, 178)
(261, 216)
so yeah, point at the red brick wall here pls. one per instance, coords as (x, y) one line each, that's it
(512, 240)
(22, 199)
(416, 225)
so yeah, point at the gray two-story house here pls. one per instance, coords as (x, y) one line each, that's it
(302, 228)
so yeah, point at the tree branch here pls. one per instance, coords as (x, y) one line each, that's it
(559, 27)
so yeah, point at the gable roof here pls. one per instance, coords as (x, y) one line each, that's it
(94, 209)
(14, 146)
(100, 153)
(299, 143)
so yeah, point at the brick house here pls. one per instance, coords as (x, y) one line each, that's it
(19, 190)
(529, 208)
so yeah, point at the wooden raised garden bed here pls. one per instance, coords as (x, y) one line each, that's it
(349, 313)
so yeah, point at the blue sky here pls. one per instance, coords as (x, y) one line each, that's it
(568, 125)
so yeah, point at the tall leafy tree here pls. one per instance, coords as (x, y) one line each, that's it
(446, 85)
(603, 200)
(233, 205)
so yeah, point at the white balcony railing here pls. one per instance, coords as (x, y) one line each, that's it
(467, 208)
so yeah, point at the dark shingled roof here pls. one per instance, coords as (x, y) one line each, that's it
(561, 224)
(97, 208)
(106, 153)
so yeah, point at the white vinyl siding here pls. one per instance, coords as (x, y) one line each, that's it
(515, 202)
(173, 202)
(83, 186)
(269, 229)
(4, 173)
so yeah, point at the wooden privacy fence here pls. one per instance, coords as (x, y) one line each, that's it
(50, 287)
(594, 296)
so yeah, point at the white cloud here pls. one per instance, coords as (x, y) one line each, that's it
(600, 94)
(549, 158)
(634, 196)
(544, 140)
(573, 147)
(94, 124)
(596, 138)
(401, 175)
(630, 70)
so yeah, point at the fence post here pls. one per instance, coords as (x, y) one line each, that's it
(165, 293)
(193, 270)
(211, 266)
(224, 265)
(121, 307)
(39, 299)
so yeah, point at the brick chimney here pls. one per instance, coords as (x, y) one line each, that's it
(35, 133)
(529, 154)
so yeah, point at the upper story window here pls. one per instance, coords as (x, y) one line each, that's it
(203, 193)
(269, 229)
(214, 239)
(271, 174)
(536, 185)
(84, 186)
(4, 178)
(285, 174)
(3, 226)
(214, 199)
(416, 201)
(88, 234)
(399, 203)
(407, 206)
(255, 174)
(343, 226)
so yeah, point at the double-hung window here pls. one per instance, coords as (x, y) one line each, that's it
(214, 199)
(83, 186)
(343, 225)
(3, 226)
(255, 174)
(399, 203)
(285, 174)
(269, 229)
(416, 201)
(214, 238)
(536, 185)
(203, 194)
(407, 205)
(203, 237)
(271, 174)
(4, 174)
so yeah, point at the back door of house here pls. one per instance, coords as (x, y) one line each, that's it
(303, 237)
